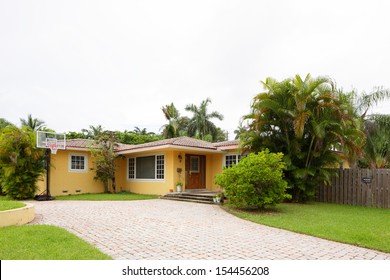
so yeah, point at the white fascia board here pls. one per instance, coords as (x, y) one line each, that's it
(175, 147)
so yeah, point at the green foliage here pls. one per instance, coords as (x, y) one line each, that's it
(104, 156)
(377, 148)
(32, 123)
(256, 181)
(129, 137)
(177, 125)
(21, 164)
(312, 123)
(200, 124)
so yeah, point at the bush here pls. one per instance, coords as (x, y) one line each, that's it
(21, 164)
(255, 182)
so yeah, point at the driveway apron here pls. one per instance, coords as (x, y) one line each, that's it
(165, 230)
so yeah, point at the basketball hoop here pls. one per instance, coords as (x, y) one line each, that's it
(51, 140)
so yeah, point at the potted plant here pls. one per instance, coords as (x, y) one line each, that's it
(179, 186)
(217, 198)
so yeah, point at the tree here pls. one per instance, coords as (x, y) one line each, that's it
(312, 123)
(4, 123)
(21, 163)
(376, 128)
(200, 124)
(93, 132)
(32, 123)
(172, 129)
(377, 148)
(103, 153)
(142, 131)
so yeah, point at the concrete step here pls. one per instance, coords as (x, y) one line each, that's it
(200, 197)
(187, 200)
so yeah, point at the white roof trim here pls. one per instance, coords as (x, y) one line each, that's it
(170, 146)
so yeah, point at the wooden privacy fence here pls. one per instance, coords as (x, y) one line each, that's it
(364, 187)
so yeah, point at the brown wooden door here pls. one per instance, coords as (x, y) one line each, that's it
(194, 172)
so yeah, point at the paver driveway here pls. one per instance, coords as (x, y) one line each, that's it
(163, 230)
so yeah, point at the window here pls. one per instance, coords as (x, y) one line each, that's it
(78, 163)
(147, 168)
(194, 168)
(231, 160)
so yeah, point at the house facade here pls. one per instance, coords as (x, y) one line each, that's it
(150, 168)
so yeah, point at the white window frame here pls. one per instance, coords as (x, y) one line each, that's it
(70, 169)
(237, 158)
(156, 179)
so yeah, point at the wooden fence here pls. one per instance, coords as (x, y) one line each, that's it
(364, 187)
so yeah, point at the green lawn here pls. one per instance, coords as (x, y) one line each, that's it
(361, 226)
(107, 196)
(6, 204)
(43, 242)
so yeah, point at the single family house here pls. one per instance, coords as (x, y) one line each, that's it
(150, 168)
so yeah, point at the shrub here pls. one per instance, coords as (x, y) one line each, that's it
(21, 163)
(255, 182)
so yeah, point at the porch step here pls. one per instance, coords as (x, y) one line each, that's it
(198, 197)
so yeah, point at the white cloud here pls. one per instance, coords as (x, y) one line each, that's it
(116, 63)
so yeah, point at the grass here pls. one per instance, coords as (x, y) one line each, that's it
(361, 226)
(107, 196)
(43, 242)
(6, 204)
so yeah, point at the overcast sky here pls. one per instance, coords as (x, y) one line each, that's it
(116, 63)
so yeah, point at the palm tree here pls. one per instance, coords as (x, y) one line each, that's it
(93, 131)
(377, 148)
(142, 131)
(32, 123)
(172, 115)
(201, 125)
(310, 122)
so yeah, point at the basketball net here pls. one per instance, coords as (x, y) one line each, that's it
(52, 144)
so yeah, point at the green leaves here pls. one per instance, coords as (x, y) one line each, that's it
(312, 123)
(21, 164)
(255, 182)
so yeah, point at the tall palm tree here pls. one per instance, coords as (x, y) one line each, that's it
(310, 122)
(201, 125)
(377, 148)
(32, 123)
(172, 115)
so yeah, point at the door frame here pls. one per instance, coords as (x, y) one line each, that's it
(201, 170)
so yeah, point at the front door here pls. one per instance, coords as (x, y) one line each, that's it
(195, 172)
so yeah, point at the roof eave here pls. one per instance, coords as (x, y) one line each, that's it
(170, 146)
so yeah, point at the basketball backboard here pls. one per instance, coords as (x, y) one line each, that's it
(51, 140)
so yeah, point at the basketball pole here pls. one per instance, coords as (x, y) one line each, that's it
(48, 155)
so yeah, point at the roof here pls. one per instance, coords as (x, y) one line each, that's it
(183, 141)
(86, 144)
(179, 142)
(227, 144)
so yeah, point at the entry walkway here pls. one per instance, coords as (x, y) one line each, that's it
(164, 230)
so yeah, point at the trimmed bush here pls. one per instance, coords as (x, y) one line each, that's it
(255, 182)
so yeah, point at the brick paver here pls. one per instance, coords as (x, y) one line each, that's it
(164, 230)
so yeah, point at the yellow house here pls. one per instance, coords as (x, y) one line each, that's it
(150, 168)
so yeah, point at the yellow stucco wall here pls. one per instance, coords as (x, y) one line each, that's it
(65, 182)
(82, 182)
